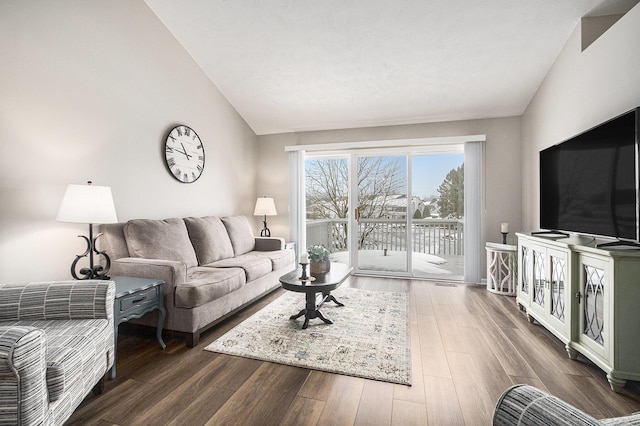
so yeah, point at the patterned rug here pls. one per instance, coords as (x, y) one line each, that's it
(369, 337)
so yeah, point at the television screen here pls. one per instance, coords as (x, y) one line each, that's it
(588, 184)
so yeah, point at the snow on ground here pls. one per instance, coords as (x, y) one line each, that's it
(375, 260)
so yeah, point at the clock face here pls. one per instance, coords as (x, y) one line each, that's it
(184, 154)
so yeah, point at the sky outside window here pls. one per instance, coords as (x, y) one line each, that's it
(429, 171)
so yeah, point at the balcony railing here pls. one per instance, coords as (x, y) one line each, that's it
(430, 236)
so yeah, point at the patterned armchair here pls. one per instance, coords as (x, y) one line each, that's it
(56, 345)
(527, 405)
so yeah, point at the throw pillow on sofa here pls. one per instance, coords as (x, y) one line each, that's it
(160, 239)
(209, 238)
(240, 234)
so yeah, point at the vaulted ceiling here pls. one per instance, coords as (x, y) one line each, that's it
(297, 65)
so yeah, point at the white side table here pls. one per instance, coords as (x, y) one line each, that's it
(502, 271)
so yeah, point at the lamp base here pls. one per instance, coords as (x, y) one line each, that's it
(93, 272)
(265, 231)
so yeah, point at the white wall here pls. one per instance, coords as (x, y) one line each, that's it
(503, 155)
(582, 89)
(273, 178)
(88, 91)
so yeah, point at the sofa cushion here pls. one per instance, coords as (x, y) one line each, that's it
(279, 259)
(166, 239)
(64, 366)
(254, 266)
(113, 241)
(240, 234)
(209, 238)
(206, 284)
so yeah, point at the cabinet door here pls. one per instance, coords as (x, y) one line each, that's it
(539, 278)
(558, 285)
(593, 304)
(558, 290)
(525, 270)
(550, 287)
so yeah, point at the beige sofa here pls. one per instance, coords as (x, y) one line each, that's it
(212, 267)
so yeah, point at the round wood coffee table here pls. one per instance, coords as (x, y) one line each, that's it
(323, 284)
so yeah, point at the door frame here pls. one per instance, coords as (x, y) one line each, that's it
(474, 144)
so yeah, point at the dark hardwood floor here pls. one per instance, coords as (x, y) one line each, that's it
(468, 346)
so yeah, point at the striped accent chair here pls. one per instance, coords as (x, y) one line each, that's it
(527, 405)
(56, 345)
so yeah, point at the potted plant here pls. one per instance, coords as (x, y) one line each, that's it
(319, 262)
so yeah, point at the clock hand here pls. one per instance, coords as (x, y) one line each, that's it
(184, 151)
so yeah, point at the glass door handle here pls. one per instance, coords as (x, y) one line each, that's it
(357, 214)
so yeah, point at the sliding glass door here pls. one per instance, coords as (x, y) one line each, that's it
(381, 215)
(437, 226)
(327, 204)
(389, 212)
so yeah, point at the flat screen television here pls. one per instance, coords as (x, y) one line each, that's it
(589, 183)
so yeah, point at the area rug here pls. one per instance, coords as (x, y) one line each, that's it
(369, 336)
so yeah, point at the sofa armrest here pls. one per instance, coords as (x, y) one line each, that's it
(631, 419)
(269, 243)
(23, 376)
(527, 405)
(170, 271)
(57, 300)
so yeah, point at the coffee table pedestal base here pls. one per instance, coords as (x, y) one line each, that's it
(312, 309)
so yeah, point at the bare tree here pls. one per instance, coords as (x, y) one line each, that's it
(327, 188)
(378, 179)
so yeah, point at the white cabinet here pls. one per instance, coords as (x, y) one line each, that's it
(608, 331)
(544, 285)
(589, 298)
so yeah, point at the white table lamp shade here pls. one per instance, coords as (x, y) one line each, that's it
(87, 204)
(265, 206)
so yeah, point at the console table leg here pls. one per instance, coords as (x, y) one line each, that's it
(112, 372)
(163, 315)
(573, 354)
(616, 384)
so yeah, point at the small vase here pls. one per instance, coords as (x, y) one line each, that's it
(320, 267)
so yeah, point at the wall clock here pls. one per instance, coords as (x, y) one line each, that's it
(184, 154)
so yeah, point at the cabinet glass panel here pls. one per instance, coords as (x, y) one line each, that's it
(524, 285)
(558, 272)
(593, 304)
(538, 277)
